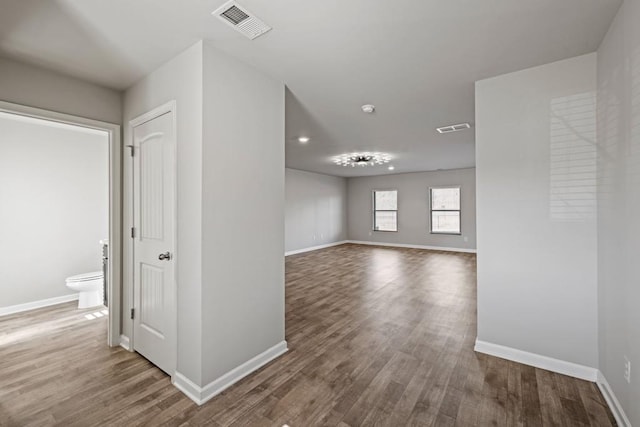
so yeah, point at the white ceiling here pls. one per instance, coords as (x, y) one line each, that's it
(416, 60)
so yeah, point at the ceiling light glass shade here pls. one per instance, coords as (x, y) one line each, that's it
(362, 159)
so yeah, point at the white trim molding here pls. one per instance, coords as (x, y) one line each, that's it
(192, 390)
(392, 245)
(5, 311)
(201, 395)
(115, 227)
(315, 248)
(612, 401)
(404, 245)
(543, 362)
(124, 342)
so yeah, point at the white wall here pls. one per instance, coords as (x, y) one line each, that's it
(54, 206)
(181, 80)
(536, 210)
(230, 166)
(36, 87)
(243, 214)
(413, 208)
(315, 209)
(619, 205)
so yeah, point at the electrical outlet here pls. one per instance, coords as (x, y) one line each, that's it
(466, 239)
(627, 369)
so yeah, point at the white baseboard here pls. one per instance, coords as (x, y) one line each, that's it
(404, 245)
(37, 304)
(543, 362)
(393, 245)
(124, 342)
(188, 387)
(202, 394)
(612, 401)
(315, 248)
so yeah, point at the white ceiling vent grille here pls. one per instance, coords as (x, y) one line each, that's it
(241, 20)
(454, 128)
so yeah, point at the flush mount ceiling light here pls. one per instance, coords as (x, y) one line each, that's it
(303, 139)
(368, 108)
(362, 159)
(454, 128)
(391, 168)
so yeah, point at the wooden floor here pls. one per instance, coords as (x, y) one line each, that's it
(377, 336)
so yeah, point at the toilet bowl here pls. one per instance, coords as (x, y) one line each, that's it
(89, 288)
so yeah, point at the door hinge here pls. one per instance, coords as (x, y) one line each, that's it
(132, 148)
(133, 232)
(133, 311)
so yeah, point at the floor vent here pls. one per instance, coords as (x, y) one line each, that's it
(241, 20)
(454, 128)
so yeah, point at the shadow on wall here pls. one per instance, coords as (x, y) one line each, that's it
(21, 35)
(573, 160)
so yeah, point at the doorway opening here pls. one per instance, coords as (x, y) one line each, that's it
(62, 213)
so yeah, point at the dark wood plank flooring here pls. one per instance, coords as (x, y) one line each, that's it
(377, 336)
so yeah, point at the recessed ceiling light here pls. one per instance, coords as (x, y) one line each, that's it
(391, 168)
(454, 128)
(368, 108)
(303, 139)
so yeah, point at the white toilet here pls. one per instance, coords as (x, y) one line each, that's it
(89, 287)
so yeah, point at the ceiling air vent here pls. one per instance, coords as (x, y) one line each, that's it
(241, 20)
(454, 128)
(235, 15)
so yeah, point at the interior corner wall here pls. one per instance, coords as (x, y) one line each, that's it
(536, 210)
(243, 214)
(32, 86)
(180, 79)
(413, 208)
(315, 211)
(619, 206)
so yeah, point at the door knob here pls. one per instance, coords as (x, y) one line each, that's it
(165, 256)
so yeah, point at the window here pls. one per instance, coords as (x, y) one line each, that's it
(385, 210)
(445, 210)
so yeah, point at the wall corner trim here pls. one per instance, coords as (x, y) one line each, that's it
(612, 401)
(315, 248)
(188, 387)
(4, 311)
(201, 395)
(403, 245)
(125, 343)
(532, 359)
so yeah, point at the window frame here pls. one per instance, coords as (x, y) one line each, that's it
(431, 210)
(374, 210)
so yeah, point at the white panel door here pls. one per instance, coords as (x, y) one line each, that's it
(154, 221)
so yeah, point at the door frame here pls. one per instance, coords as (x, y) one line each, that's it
(168, 107)
(115, 207)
